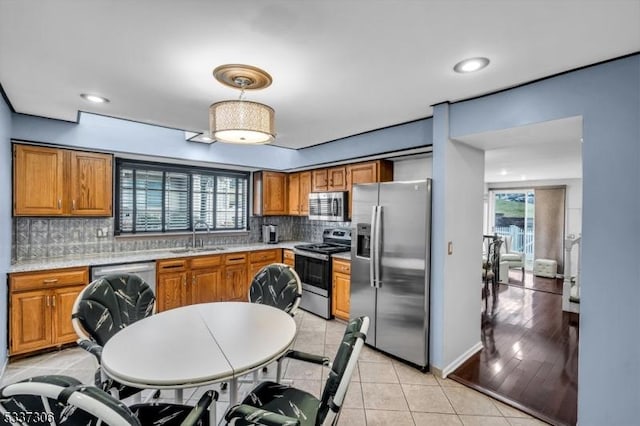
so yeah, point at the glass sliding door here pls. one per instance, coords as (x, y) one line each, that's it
(512, 214)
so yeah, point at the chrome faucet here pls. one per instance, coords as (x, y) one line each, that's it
(193, 235)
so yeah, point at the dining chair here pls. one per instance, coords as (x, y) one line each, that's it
(272, 403)
(277, 285)
(490, 266)
(64, 400)
(102, 309)
(514, 259)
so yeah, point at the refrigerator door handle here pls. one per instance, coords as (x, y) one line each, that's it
(372, 259)
(377, 244)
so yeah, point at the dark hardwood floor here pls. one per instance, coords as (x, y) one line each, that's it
(530, 354)
(550, 285)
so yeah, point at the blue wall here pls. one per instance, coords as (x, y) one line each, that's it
(607, 96)
(5, 221)
(109, 134)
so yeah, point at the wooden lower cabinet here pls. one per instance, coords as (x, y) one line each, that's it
(205, 285)
(62, 302)
(341, 288)
(260, 259)
(171, 290)
(289, 258)
(236, 287)
(40, 306)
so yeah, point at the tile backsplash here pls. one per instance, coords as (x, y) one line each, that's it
(41, 238)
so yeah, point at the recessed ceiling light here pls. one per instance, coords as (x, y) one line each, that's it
(471, 65)
(503, 172)
(94, 98)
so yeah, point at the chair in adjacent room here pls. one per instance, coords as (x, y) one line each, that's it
(104, 307)
(64, 400)
(514, 259)
(272, 403)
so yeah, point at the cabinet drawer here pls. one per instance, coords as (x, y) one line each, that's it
(288, 254)
(205, 262)
(263, 256)
(235, 259)
(342, 266)
(172, 265)
(49, 279)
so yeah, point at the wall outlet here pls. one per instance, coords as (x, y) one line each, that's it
(103, 232)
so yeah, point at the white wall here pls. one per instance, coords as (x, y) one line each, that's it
(573, 205)
(413, 168)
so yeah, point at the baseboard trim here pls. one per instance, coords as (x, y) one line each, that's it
(460, 360)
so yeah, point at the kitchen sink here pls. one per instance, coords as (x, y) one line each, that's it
(196, 250)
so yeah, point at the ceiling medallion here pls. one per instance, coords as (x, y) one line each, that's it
(241, 121)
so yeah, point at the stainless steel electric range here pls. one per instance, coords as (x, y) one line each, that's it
(313, 265)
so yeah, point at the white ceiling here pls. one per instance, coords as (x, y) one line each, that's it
(541, 151)
(339, 67)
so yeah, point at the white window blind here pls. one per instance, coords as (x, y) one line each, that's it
(160, 198)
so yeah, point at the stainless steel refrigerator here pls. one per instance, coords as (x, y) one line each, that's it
(390, 252)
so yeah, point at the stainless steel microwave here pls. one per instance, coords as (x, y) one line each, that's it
(329, 206)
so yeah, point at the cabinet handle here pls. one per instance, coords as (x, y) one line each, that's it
(59, 203)
(53, 301)
(193, 280)
(184, 281)
(50, 281)
(48, 304)
(73, 204)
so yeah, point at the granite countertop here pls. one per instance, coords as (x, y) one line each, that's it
(344, 255)
(138, 256)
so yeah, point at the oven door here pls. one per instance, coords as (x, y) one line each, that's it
(314, 271)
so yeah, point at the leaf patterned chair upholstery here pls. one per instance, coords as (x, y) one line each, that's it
(62, 400)
(103, 308)
(277, 285)
(272, 403)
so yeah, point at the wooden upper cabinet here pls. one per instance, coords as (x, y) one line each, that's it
(270, 194)
(299, 189)
(369, 172)
(37, 181)
(91, 184)
(320, 182)
(337, 177)
(331, 179)
(59, 182)
(294, 193)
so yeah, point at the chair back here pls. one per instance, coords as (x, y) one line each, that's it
(277, 285)
(54, 399)
(109, 304)
(341, 370)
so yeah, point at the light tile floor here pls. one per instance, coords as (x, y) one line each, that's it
(383, 391)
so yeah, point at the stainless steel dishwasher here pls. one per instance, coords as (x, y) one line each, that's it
(145, 270)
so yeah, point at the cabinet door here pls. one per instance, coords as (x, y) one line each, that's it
(38, 181)
(337, 178)
(319, 181)
(341, 295)
(288, 257)
(171, 290)
(205, 284)
(274, 195)
(294, 193)
(305, 189)
(90, 187)
(236, 287)
(62, 300)
(30, 321)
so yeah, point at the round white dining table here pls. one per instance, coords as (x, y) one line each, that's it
(197, 345)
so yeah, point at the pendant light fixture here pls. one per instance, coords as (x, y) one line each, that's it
(242, 121)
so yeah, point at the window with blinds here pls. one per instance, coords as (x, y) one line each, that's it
(155, 197)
